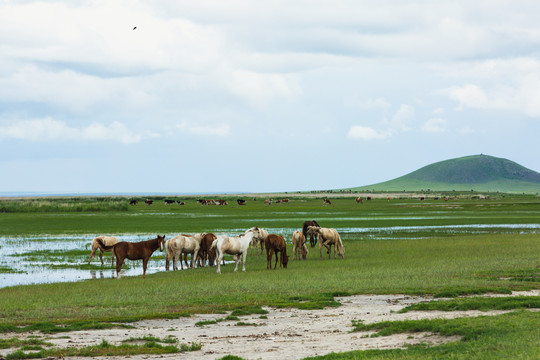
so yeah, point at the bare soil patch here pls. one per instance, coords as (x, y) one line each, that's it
(283, 334)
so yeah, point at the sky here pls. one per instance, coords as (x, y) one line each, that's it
(251, 96)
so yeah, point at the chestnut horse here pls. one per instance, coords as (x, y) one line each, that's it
(312, 237)
(205, 251)
(275, 244)
(134, 251)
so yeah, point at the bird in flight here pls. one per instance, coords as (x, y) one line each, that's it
(134, 27)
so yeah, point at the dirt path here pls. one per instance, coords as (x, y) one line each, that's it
(284, 334)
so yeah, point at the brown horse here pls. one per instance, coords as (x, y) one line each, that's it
(134, 251)
(275, 244)
(205, 252)
(312, 237)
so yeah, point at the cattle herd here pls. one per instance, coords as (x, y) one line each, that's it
(207, 249)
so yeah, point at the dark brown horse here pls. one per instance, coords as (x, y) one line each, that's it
(134, 251)
(206, 252)
(312, 238)
(275, 244)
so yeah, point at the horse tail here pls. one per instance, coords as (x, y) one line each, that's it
(341, 249)
(103, 246)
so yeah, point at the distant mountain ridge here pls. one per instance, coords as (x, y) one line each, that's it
(476, 172)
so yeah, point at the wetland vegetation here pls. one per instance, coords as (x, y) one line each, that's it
(466, 245)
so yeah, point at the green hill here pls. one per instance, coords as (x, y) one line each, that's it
(477, 172)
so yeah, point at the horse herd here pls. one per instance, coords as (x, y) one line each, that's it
(207, 248)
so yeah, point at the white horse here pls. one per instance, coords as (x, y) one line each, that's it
(182, 244)
(236, 246)
(108, 241)
(258, 239)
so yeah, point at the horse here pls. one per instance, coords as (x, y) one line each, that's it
(327, 238)
(312, 237)
(299, 245)
(258, 239)
(107, 240)
(236, 246)
(187, 244)
(205, 251)
(275, 244)
(134, 251)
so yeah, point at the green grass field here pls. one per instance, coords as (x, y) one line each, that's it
(402, 246)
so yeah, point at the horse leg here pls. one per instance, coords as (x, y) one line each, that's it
(219, 258)
(119, 263)
(144, 263)
(167, 261)
(92, 254)
(269, 255)
(237, 260)
(101, 255)
(275, 263)
(112, 257)
(195, 253)
(244, 261)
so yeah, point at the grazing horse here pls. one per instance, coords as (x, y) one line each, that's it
(326, 201)
(107, 240)
(258, 239)
(182, 244)
(359, 200)
(236, 246)
(300, 248)
(134, 251)
(205, 251)
(327, 238)
(312, 238)
(275, 244)
(148, 201)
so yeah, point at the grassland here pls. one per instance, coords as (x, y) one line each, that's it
(404, 246)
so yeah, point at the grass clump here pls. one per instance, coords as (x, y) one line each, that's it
(106, 349)
(51, 328)
(478, 303)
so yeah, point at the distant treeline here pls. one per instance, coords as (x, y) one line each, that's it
(63, 205)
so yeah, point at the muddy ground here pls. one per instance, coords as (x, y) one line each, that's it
(283, 334)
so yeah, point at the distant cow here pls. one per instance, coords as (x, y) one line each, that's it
(327, 201)
(148, 202)
(268, 201)
(180, 202)
(168, 201)
(133, 202)
(285, 200)
(241, 202)
(359, 200)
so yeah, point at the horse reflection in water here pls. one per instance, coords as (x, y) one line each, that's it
(141, 250)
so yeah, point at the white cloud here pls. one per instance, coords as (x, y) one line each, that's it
(215, 130)
(365, 133)
(512, 85)
(435, 125)
(48, 129)
(402, 117)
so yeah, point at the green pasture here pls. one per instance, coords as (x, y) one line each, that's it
(444, 260)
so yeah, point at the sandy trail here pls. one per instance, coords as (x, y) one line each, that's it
(284, 334)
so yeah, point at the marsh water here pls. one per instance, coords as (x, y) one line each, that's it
(64, 258)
